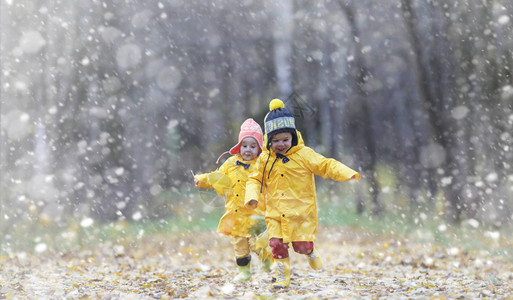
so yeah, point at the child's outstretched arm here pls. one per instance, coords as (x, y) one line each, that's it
(329, 167)
(205, 180)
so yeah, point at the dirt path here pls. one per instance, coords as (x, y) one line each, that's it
(200, 265)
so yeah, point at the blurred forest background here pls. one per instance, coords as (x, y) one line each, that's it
(107, 106)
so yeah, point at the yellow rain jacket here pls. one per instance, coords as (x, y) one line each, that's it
(289, 190)
(230, 179)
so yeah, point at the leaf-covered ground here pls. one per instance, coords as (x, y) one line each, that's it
(201, 265)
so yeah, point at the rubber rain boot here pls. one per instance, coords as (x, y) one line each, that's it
(244, 273)
(282, 267)
(314, 259)
(266, 265)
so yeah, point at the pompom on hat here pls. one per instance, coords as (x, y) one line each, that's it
(249, 128)
(279, 119)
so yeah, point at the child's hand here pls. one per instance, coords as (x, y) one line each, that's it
(252, 204)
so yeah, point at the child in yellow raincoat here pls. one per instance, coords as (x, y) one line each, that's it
(285, 176)
(230, 179)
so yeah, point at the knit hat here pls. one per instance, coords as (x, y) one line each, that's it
(249, 128)
(279, 119)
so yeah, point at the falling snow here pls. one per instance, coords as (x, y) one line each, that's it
(108, 109)
(31, 42)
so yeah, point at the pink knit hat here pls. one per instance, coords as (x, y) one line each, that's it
(249, 128)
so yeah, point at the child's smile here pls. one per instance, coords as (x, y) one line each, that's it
(281, 142)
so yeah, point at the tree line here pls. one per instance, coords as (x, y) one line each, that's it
(107, 106)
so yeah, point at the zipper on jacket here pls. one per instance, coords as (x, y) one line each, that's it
(263, 173)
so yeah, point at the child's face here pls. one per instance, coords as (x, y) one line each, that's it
(281, 142)
(249, 148)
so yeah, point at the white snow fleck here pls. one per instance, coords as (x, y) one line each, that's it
(128, 56)
(492, 177)
(429, 261)
(473, 223)
(493, 234)
(121, 205)
(24, 117)
(156, 189)
(172, 124)
(366, 49)
(446, 180)
(52, 110)
(32, 42)
(503, 20)
(137, 216)
(16, 124)
(41, 247)
(453, 251)
(20, 85)
(85, 61)
(119, 250)
(228, 288)
(108, 15)
(442, 227)
(82, 147)
(160, 5)
(98, 112)
(478, 263)
(204, 268)
(119, 171)
(68, 235)
(78, 186)
(169, 79)
(432, 155)
(459, 112)
(213, 93)
(507, 92)
(111, 179)
(86, 222)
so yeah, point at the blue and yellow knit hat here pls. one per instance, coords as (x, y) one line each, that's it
(279, 119)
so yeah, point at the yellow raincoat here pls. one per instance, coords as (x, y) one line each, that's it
(289, 190)
(230, 179)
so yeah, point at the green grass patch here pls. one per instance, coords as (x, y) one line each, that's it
(202, 211)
